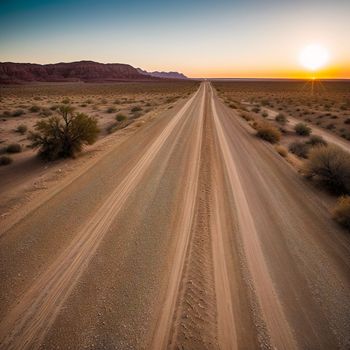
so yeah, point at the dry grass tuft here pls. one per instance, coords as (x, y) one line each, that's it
(268, 132)
(341, 212)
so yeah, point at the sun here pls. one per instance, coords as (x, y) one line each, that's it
(314, 57)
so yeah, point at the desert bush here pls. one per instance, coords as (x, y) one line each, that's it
(112, 128)
(66, 101)
(329, 165)
(300, 149)
(265, 114)
(341, 212)
(120, 117)
(64, 135)
(14, 148)
(6, 114)
(302, 129)
(18, 112)
(330, 126)
(45, 112)
(316, 140)
(268, 132)
(256, 109)
(22, 129)
(281, 150)
(281, 118)
(34, 109)
(5, 160)
(136, 109)
(246, 116)
(111, 110)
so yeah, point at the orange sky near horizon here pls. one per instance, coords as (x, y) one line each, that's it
(331, 72)
(224, 39)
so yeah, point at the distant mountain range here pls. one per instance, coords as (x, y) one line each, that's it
(86, 71)
(168, 75)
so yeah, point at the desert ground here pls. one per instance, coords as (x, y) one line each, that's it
(325, 104)
(116, 106)
(179, 230)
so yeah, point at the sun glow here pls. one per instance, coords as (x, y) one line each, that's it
(314, 57)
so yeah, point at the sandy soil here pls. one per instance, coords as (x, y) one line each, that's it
(192, 234)
(327, 105)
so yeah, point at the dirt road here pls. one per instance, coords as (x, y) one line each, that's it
(192, 234)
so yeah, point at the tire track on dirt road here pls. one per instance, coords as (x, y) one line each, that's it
(184, 222)
(271, 308)
(307, 254)
(194, 322)
(27, 323)
(201, 313)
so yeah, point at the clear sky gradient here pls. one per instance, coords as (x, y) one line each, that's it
(218, 38)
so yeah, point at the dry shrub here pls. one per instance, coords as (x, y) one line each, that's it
(281, 118)
(14, 148)
(300, 149)
(65, 135)
(22, 129)
(302, 129)
(281, 150)
(316, 140)
(329, 165)
(246, 116)
(268, 132)
(5, 160)
(121, 117)
(341, 212)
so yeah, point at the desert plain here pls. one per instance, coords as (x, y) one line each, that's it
(179, 228)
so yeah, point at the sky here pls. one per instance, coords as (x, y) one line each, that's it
(207, 38)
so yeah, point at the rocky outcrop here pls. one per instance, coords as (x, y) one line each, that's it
(167, 75)
(86, 71)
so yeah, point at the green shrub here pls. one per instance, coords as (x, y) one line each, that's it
(34, 109)
(316, 140)
(66, 101)
(5, 160)
(121, 117)
(14, 148)
(22, 129)
(64, 135)
(268, 132)
(281, 118)
(302, 129)
(329, 165)
(341, 212)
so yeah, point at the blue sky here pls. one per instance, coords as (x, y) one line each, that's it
(199, 38)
